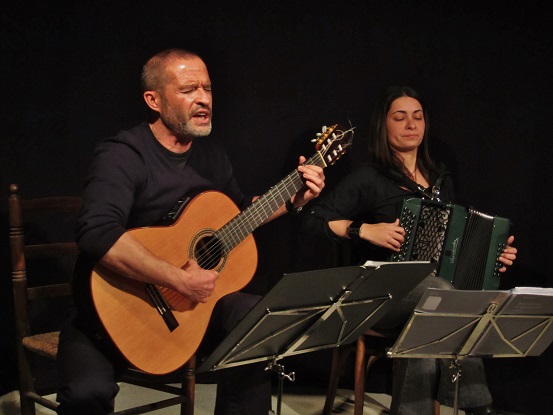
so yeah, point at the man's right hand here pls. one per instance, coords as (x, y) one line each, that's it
(130, 258)
(199, 283)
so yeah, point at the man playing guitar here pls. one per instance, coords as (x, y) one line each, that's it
(135, 179)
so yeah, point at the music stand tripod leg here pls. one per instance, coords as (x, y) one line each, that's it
(456, 364)
(279, 369)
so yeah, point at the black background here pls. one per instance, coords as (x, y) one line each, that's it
(281, 70)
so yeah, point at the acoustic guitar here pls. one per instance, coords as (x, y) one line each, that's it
(157, 329)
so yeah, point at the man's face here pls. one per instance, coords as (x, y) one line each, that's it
(186, 101)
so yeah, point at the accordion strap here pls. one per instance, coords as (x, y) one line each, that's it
(437, 186)
(417, 188)
(414, 187)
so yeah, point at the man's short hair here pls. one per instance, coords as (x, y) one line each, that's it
(153, 71)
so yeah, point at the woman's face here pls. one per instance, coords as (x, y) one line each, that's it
(405, 124)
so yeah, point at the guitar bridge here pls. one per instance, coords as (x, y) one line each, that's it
(162, 307)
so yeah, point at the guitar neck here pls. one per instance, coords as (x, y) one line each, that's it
(254, 215)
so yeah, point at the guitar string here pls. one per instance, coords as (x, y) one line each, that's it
(218, 243)
(211, 253)
(336, 137)
(229, 235)
(268, 203)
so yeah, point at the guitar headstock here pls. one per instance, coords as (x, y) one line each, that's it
(332, 142)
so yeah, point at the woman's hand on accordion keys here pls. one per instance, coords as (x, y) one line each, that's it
(386, 235)
(509, 254)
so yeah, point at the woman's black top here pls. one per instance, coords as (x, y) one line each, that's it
(372, 196)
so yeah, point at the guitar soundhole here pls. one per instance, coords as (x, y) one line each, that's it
(208, 252)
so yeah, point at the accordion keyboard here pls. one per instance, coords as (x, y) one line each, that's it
(465, 243)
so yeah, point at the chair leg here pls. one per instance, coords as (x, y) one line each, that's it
(361, 367)
(333, 382)
(26, 383)
(189, 387)
(27, 406)
(359, 385)
(339, 356)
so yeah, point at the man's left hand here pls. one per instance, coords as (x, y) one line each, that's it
(314, 182)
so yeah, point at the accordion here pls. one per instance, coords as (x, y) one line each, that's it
(465, 243)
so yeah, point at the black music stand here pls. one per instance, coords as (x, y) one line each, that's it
(458, 324)
(314, 310)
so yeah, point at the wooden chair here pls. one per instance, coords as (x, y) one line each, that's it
(43, 254)
(368, 348)
(364, 358)
(367, 351)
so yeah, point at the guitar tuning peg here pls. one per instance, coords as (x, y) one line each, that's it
(324, 129)
(314, 140)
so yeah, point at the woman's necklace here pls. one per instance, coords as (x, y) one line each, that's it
(414, 174)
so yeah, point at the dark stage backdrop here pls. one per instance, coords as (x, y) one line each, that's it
(281, 70)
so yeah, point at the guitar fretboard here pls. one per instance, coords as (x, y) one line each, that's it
(254, 215)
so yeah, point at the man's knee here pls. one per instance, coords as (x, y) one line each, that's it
(233, 308)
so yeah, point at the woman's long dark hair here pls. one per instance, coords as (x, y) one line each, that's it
(379, 149)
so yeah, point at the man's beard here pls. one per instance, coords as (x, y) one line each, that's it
(185, 128)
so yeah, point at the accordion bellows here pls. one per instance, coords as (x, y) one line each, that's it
(466, 243)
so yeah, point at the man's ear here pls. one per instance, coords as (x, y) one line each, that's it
(152, 100)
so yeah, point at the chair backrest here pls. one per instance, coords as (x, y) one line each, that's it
(43, 253)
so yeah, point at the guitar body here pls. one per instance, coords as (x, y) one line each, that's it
(126, 310)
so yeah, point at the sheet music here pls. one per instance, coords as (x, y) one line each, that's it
(375, 264)
(532, 290)
(529, 301)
